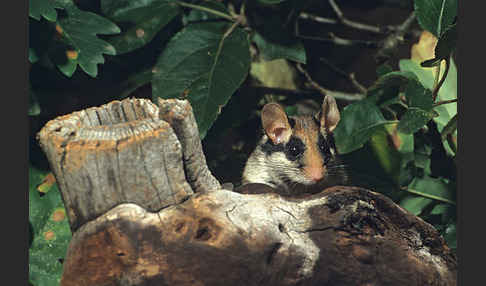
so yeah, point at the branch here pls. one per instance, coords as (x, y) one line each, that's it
(389, 44)
(357, 25)
(350, 76)
(206, 9)
(341, 41)
(325, 91)
(444, 102)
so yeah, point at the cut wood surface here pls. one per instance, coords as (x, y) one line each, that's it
(117, 153)
(145, 210)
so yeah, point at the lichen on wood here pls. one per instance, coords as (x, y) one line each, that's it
(145, 210)
(118, 153)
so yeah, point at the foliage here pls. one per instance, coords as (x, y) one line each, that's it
(400, 139)
(49, 229)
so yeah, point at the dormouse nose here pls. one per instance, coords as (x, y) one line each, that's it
(315, 173)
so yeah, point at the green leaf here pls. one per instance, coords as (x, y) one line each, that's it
(44, 8)
(431, 63)
(383, 69)
(414, 119)
(414, 204)
(50, 229)
(196, 15)
(444, 48)
(446, 43)
(201, 65)
(359, 121)
(448, 91)
(392, 79)
(386, 154)
(79, 30)
(450, 236)
(34, 107)
(432, 188)
(271, 50)
(418, 96)
(435, 15)
(450, 128)
(147, 18)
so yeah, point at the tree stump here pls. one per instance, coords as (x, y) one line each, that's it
(145, 210)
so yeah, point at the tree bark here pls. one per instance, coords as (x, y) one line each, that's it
(144, 225)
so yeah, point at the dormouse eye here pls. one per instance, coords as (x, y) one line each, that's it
(325, 149)
(323, 145)
(294, 149)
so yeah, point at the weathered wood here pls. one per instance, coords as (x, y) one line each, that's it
(180, 116)
(123, 175)
(118, 153)
(342, 236)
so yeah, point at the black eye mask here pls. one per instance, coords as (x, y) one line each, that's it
(294, 148)
(325, 147)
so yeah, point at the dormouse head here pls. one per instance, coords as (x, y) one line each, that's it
(300, 147)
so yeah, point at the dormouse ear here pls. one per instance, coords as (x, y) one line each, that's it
(329, 114)
(275, 123)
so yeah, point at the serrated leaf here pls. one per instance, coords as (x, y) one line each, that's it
(271, 50)
(80, 30)
(414, 119)
(359, 121)
(435, 15)
(44, 8)
(201, 65)
(418, 96)
(147, 18)
(50, 228)
(448, 91)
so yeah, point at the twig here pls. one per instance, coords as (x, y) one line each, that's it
(444, 102)
(341, 41)
(389, 44)
(356, 25)
(325, 91)
(350, 76)
(444, 76)
(307, 16)
(205, 9)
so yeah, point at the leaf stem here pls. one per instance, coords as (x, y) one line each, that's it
(429, 196)
(444, 102)
(205, 9)
(442, 80)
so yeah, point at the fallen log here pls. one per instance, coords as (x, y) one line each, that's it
(159, 217)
